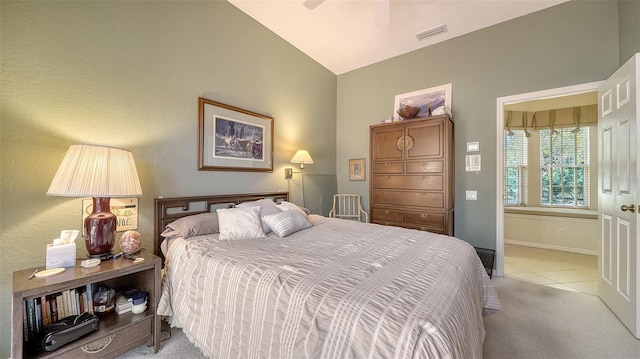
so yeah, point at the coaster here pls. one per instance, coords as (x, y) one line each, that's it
(49, 272)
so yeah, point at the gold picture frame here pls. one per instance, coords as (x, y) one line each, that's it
(357, 169)
(233, 139)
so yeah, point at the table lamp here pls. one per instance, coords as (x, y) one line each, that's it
(101, 173)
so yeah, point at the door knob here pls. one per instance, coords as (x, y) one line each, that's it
(631, 208)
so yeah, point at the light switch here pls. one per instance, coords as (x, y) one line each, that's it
(472, 195)
(473, 146)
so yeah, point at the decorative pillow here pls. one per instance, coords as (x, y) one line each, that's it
(287, 222)
(195, 225)
(288, 206)
(240, 223)
(268, 207)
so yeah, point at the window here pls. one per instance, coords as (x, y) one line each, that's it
(515, 168)
(564, 167)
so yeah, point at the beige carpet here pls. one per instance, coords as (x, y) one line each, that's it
(543, 322)
(536, 322)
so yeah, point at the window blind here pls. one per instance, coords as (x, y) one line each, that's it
(564, 167)
(515, 168)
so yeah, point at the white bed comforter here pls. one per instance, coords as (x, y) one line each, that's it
(339, 289)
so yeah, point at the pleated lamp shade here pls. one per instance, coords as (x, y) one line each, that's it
(302, 157)
(96, 171)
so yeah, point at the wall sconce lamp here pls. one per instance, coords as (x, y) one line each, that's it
(301, 157)
(98, 172)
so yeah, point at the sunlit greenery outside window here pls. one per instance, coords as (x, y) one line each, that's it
(515, 168)
(564, 167)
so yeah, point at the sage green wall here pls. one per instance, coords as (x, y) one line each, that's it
(629, 18)
(568, 44)
(128, 74)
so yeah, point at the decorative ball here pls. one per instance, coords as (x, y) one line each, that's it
(130, 242)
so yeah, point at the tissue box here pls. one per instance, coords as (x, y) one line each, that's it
(63, 255)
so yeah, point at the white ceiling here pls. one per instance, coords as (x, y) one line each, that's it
(344, 35)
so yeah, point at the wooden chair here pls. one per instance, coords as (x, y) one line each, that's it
(347, 206)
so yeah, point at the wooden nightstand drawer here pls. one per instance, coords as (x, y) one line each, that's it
(111, 344)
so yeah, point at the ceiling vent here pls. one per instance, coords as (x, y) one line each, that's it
(431, 32)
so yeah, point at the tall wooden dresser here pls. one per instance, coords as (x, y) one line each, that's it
(412, 174)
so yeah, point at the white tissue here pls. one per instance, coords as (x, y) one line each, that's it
(67, 236)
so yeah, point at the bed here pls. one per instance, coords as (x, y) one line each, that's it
(328, 288)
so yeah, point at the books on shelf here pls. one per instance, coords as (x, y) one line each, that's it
(40, 312)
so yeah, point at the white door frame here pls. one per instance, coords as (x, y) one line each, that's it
(501, 103)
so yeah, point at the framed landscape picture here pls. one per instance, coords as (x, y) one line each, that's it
(233, 139)
(439, 98)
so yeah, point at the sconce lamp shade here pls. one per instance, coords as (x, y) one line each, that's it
(98, 172)
(302, 157)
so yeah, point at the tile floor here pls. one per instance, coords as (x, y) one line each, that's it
(562, 270)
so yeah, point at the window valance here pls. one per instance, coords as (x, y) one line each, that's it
(550, 119)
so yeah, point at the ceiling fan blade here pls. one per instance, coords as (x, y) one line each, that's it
(312, 4)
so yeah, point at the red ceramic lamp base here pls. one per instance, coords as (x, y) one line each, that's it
(100, 228)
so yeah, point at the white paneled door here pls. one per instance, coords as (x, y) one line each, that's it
(618, 153)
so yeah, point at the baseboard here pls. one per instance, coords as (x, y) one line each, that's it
(552, 247)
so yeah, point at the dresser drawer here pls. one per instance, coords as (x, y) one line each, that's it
(427, 219)
(424, 182)
(111, 344)
(388, 167)
(387, 215)
(425, 167)
(407, 198)
(439, 230)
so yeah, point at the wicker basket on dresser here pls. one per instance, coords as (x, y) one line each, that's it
(412, 174)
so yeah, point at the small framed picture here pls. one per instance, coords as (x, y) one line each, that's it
(356, 169)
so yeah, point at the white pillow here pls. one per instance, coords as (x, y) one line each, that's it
(240, 223)
(288, 206)
(287, 222)
(268, 207)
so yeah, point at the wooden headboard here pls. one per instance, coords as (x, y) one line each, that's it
(168, 210)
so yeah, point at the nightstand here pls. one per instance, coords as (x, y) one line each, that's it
(116, 334)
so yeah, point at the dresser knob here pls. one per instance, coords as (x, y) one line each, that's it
(387, 164)
(423, 215)
(386, 211)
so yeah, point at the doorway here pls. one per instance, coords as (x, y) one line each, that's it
(502, 102)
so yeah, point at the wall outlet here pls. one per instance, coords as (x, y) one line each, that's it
(561, 232)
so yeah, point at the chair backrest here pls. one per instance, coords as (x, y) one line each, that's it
(347, 206)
